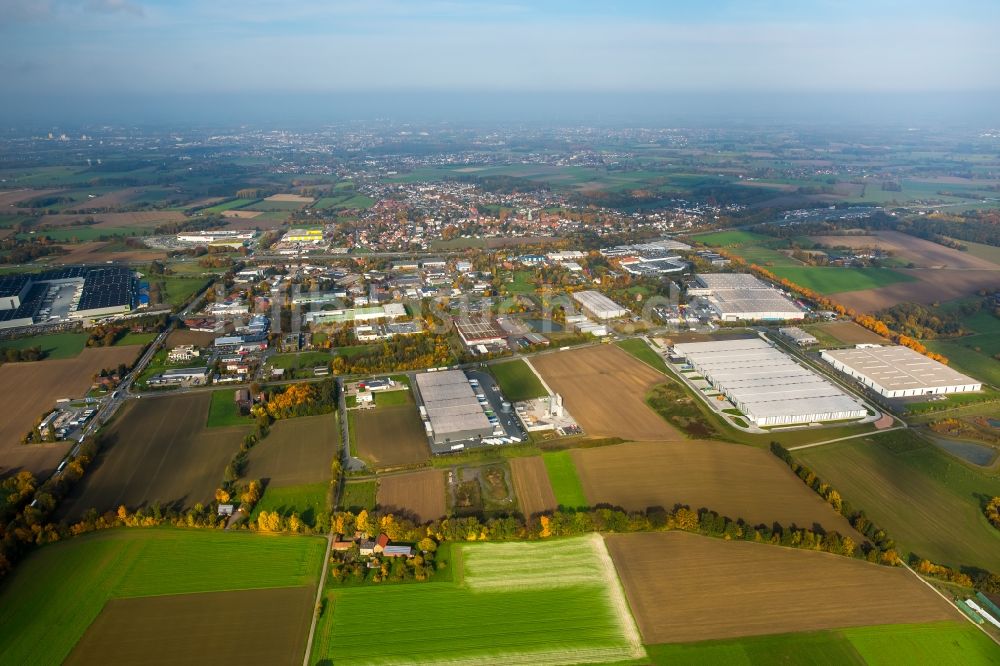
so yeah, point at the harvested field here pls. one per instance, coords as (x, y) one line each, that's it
(111, 220)
(98, 252)
(297, 451)
(293, 198)
(418, 493)
(604, 388)
(531, 484)
(10, 197)
(242, 214)
(922, 253)
(930, 286)
(686, 587)
(158, 450)
(850, 333)
(390, 436)
(732, 479)
(31, 389)
(180, 336)
(217, 627)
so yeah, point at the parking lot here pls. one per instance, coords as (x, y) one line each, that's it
(488, 388)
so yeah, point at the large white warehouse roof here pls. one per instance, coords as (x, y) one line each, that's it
(897, 371)
(767, 385)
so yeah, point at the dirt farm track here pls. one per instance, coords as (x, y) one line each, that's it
(604, 389)
(734, 480)
(685, 587)
(31, 389)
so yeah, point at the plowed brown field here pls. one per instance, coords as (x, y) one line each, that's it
(923, 253)
(531, 483)
(158, 450)
(418, 493)
(390, 436)
(10, 197)
(111, 220)
(734, 480)
(604, 389)
(297, 451)
(685, 587)
(850, 333)
(31, 389)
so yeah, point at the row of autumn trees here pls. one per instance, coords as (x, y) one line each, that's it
(881, 542)
(992, 511)
(867, 321)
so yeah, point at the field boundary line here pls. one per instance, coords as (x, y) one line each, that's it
(319, 597)
(841, 439)
(527, 361)
(952, 604)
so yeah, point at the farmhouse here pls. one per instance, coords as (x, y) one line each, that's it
(741, 296)
(767, 385)
(453, 411)
(896, 371)
(599, 306)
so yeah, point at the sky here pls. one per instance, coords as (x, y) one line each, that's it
(121, 54)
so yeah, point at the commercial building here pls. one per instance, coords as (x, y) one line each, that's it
(798, 336)
(768, 386)
(303, 236)
(897, 372)
(389, 311)
(479, 331)
(599, 306)
(741, 296)
(93, 292)
(453, 412)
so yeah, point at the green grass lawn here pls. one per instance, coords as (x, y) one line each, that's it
(301, 360)
(926, 500)
(532, 614)
(638, 348)
(517, 381)
(47, 604)
(564, 479)
(522, 283)
(307, 500)
(223, 412)
(358, 495)
(135, 339)
(54, 345)
(937, 643)
(393, 398)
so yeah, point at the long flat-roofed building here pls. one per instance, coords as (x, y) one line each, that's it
(453, 411)
(767, 385)
(598, 305)
(741, 296)
(897, 372)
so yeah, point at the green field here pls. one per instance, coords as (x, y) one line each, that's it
(301, 360)
(87, 233)
(926, 500)
(638, 348)
(179, 290)
(938, 643)
(833, 280)
(393, 398)
(358, 495)
(48, 603)
(517, 381)
(538, 603)
(564, 479)
(308, 501)
(223, 412)
(136, 339)
(54, 345)
(228, 205)
(731, 238)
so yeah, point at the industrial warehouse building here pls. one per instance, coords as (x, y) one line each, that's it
(453, 411)
(479, 331)
(741, 296)
(599, 306)
(898, 372)
(98, 292)
(767, 385)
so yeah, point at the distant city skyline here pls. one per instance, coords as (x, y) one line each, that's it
(110, 50)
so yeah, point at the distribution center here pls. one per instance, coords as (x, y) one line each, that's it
(897, 372)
